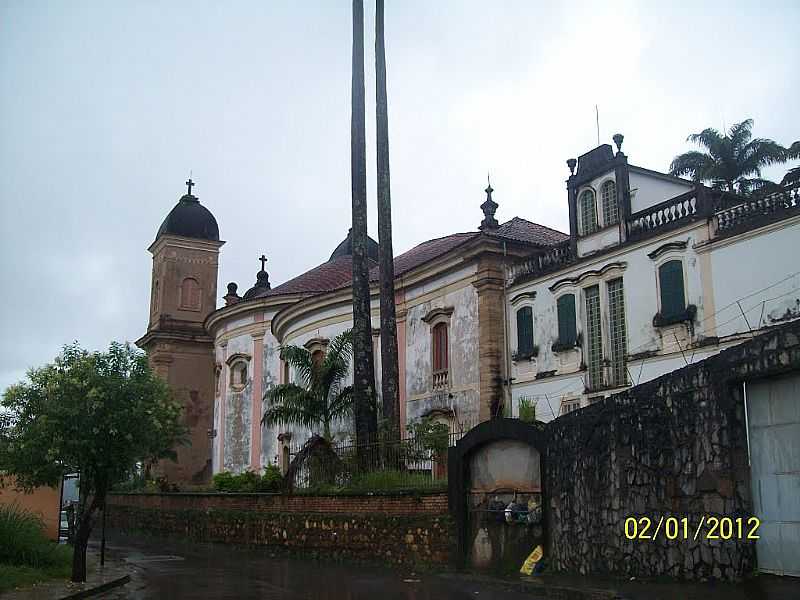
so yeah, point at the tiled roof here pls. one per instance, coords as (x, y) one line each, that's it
(337, 272)
(521, 230)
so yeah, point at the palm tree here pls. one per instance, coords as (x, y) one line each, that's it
(363, 361)
(319, 398)
(390, 387)
(731, 159)
(793, 175)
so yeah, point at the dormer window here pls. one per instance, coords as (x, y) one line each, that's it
(588, 212)
(608, 197)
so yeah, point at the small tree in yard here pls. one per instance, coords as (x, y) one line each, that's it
(96, 413)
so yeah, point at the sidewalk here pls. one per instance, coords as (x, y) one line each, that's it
(108, 576)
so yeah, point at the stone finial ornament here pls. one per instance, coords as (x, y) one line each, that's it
(572, 163)
(618, 137)
(489, 207)
(231, 297)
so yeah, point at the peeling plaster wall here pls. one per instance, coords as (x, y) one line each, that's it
(563, 379)
(464, 376)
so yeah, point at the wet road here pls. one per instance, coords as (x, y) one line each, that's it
(174, 570)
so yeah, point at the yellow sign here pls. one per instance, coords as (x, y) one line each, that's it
(530, 563)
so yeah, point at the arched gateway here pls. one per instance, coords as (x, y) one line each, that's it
(496, 495)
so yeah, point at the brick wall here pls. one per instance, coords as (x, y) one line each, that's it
(399, 529)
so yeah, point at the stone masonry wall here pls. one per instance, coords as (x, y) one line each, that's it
(675, 446)
(399, 529)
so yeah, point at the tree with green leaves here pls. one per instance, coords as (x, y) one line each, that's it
(732, 161)
(95, 413)
(318, 396)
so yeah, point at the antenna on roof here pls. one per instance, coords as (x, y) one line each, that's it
(597, 119)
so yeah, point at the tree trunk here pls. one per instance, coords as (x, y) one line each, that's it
(363, 364)
(84, 531)
(389, 367)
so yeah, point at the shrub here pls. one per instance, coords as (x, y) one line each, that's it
(527, 410)
(249, 481)
(24, 542)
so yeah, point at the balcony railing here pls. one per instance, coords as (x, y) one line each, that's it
(773, 206)
(668, 214)
(552, 259)
(440, 380)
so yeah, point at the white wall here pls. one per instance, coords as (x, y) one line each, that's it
(648, 190)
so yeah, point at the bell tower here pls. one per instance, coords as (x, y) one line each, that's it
(183, 293)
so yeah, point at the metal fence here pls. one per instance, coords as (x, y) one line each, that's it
(413, 462)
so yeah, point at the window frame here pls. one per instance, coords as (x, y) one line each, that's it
(607, 222)
(582, 228)
(666, 318)
(527, 353)
(561, 343)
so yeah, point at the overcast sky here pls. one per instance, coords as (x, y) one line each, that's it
(105, 107)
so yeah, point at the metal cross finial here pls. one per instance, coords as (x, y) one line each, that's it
(489, 188)
(263, 260)
(190, 184)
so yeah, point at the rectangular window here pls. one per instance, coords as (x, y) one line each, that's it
(670, 283)
(567, 333)
(594, 338)
(440, 362)
(617, 335)
(569, 405)
(525, 332)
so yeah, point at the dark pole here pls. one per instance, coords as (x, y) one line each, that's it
(103, 537)
(363, 362)
(389, 367)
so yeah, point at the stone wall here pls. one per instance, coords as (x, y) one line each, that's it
(675, 446)
(401, 529)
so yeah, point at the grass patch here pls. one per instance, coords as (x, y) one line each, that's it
(15, 576)
(26, 555)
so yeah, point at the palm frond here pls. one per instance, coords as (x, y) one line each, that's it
(740, 133)
(341, 404)
(290, 404)
(695, 164)
(793, 151)
(300, 360)
(709, 138)
(792, 177)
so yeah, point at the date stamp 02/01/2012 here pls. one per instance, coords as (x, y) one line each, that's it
(708, 527)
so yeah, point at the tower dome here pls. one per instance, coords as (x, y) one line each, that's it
(190, 219)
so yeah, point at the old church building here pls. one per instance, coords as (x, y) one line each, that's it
(655, 273)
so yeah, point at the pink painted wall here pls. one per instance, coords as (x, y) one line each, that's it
(255, 414)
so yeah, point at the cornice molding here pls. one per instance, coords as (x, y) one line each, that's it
(599, 273)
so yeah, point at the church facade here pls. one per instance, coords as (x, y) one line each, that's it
(656, 272)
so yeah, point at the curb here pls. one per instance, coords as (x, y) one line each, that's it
(109, 585)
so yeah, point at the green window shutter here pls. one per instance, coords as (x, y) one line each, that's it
(566, 319)
(670, 280)
(525, 331)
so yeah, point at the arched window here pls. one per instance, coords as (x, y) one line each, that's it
(190, 294)
(525, 332)
(440, 360)
(608, 197)
(588, 216)
(670, 283)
